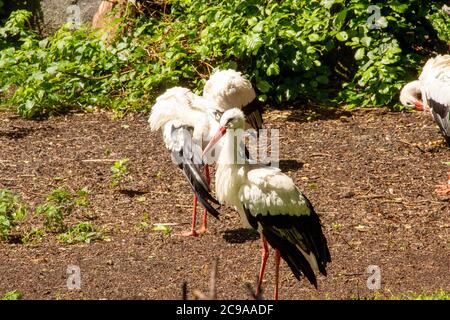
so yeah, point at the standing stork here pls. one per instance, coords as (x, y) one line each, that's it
(188, 120)
(434, 87)
(268, 201)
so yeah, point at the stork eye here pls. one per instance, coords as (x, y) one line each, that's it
(218, 115)
(228, 123)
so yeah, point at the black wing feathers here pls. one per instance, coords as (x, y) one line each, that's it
(286, 233)
(253, 114)
(187, 155)
(441, 114)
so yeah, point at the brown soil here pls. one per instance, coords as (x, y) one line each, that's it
(372, 186)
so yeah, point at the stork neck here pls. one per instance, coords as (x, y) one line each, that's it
(231, 154)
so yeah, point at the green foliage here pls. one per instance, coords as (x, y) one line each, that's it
(13, 295)
(119, 171)
(33, 237)
(164, 228)
(60, 203)
(291, 50)
(12, 210)
(438, 295)
(81, 232)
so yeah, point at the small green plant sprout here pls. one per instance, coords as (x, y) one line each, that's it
(119, 172)
(158, 175)
(82, 197)
(144, 224)
(438, 295)
(12, 295)
(165, 228)
(34, 236)
(312, 185)
(12, 210)
(53, 216)
(60, 203)
(81, 232)
(336, 226)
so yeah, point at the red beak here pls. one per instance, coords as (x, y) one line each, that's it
(418, 104)
(219, 134)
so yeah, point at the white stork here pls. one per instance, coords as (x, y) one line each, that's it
(188, 121)
(268, 201)
(434, 88)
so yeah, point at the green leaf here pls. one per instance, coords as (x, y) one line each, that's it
(313, 37)
(273, 69)
(340, 19)
(253, 42)
(365, 41)
(360, 54)
(263, 86)
(342, 36)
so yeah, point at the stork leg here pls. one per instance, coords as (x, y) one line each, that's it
(444, 190)
(202, 229)
(277, 272)
(192, 232)
(264, 257)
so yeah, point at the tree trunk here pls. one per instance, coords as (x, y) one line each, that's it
(107, 12)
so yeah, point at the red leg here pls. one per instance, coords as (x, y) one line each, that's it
(277, 272)
(444, 190)
(205, 212)
(264, 257)
(192, 233)
(203, 228)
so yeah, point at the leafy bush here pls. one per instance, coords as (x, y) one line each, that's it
(59, 203)
(12, 210)
(292, 49)
(12, 295)
(119, 171)
(81, 232)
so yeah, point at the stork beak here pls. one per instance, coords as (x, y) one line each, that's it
(418, 105)
(219, 134)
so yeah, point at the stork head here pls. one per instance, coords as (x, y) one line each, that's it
(229, 89)
(409, 96)
(231, 119)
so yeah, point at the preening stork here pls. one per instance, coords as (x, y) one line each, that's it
(434, 88)
(229, 89)
(268, 201)
(188, 122)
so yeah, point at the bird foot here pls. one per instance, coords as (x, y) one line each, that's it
(191, 233)
(443, 190)
(202, 230)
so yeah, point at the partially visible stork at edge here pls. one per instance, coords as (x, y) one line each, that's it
(431, 93)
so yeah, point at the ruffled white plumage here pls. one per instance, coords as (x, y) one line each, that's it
(229, 89)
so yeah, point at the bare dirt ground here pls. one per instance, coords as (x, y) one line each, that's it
(371, 185)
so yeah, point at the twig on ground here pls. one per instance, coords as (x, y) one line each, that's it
(198, 295)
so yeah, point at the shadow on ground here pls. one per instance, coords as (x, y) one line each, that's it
(240, 235)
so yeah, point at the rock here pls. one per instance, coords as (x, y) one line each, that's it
(50, 15)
